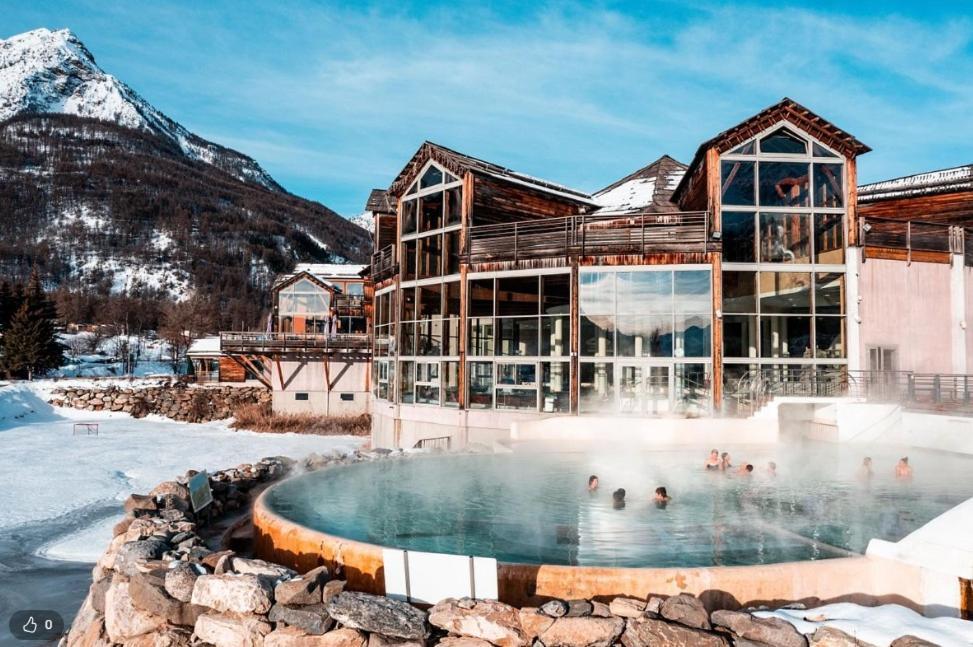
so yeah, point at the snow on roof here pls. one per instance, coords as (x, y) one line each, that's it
(959, 178)
(205, 346)
(649, 186)
(329, 270)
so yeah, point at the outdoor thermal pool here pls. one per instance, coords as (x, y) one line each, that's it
(533, 507)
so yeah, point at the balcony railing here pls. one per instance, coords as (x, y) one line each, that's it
(915, 236)
(588, 235)
(285, 342)
(350, 305)
(383, 263)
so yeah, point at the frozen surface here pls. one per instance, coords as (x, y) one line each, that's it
(49, 472)
(878, 625)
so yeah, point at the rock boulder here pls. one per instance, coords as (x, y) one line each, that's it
(376, 614)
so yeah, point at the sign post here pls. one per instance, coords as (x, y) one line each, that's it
(200, 494)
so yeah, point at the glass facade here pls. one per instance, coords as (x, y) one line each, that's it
(783, 214)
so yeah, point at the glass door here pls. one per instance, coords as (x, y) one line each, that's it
(644, 389)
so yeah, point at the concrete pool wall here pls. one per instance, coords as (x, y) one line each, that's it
(867, 580)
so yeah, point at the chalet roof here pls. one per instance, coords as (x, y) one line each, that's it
(459, 163)
(784, 110)
(329, 270)
(648, 189)
(950, 180)
(378, 202)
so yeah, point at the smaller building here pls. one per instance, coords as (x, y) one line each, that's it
(314, 353)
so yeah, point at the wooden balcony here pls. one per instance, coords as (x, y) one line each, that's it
(383, 263)
(588, 235)
(281, 342)
(913, 240)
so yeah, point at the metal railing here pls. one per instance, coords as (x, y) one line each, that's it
(350, 304)
(281, 342)
(383, 263)
(439, 442)
(588, 235)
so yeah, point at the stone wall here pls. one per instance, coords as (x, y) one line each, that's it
(159, 585)
(178, 401)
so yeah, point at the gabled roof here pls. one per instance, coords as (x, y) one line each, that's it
(204, 346)
(950, 180)
(458, 164)
(784, 110)
(378, 202)
(647, 190)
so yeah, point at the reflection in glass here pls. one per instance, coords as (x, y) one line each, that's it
(510, 398)
(785, 337)
(409, 260)
(431, 212)
(452, 256)
(785, 292)
(598, 336)
(828, 185)
(692, 335)
(645, 336)
(451, 336)
(644, 292)
(517, 374)
(430, 256)
(692, 386)
(821, 151)
(738, 237)
(596, 387)
(407, 339)
(409, 219)
(785, 238)
(454, 212)
(429, 336)
(737, 183)
(431, 177)
(430, 300)
(692, 291)
(784, 184)
(480, 375)
(739, 291)
(597, 292)
(450, 384)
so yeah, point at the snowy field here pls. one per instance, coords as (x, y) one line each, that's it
(50, 473)
(89, 356)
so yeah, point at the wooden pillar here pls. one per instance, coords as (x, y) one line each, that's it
(466, 214)
(575, 372)
(713, 207)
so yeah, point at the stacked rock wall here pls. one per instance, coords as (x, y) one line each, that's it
(177, 401)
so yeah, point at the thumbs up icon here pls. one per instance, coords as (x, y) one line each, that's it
(30, 627)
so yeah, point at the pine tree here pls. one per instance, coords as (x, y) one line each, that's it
(30, 344)
(8, 305)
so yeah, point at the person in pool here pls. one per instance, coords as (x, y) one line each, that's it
(592, 483)
(746, 469)
(903, 471)
(865, 471)
(771, 468)
(713, 462)
(662, 497)
(618, 498)
(725, 463)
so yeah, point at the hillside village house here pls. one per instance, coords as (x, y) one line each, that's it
(683, 290)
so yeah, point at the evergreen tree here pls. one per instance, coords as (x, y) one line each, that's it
(8, 305)
(30, 344)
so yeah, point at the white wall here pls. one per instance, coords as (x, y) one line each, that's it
(349, 378)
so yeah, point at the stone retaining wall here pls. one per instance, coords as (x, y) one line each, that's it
(159, 585)
(178, 401)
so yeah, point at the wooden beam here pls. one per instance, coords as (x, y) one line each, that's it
(245, 362)
(280, 371)
(717, 337)
(575, 326)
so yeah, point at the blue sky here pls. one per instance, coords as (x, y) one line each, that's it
(333, 100)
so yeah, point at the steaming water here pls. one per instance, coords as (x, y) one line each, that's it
(534, 508)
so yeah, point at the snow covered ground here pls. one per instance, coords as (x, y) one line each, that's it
(89, 358)
(50, 473)
(878, 626)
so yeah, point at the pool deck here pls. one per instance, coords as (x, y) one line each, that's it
(865, 580)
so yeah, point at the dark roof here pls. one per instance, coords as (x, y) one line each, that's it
(458, 164)
(784, 110)
(950, 180)
(647, 190)
(378, 202)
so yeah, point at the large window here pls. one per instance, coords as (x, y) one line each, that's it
(660, 313)
(783, 256)
(430, 221)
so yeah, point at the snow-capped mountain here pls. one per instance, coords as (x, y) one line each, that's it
(105, 195)
(365, 220)
(44, 71)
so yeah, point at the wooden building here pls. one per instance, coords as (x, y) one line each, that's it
(315, 352)
(500, 297)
